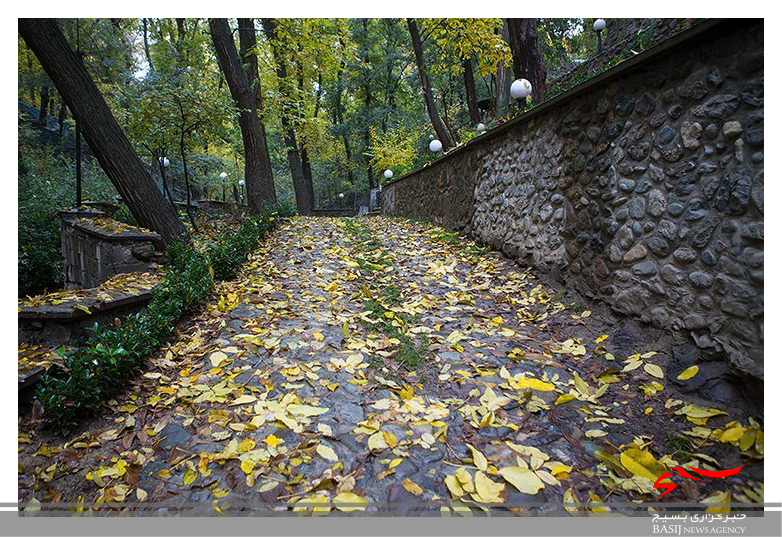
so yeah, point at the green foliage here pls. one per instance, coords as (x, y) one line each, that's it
(101, 368)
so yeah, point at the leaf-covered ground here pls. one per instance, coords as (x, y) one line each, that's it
(370, 361)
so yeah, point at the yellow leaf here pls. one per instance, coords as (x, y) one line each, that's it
(564, 398)
(571, 498)
(654, 370)
(478, 458)
(488, 490)
(306, 410)
(389, 438)
(523, 479)
(349, 498)
(243, 400)
(326, 452)
(273, 441)
(595, 433)
(377, 441)
(454, 486)
(247, 466)
(523, 383)
(83, 308)
(141, 494)
(412, 487)
(636, 460)
(720, 501)
(217, 358)
(733, 434)
(189, 476)
(688, 373)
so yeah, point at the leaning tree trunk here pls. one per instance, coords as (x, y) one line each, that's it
(527, 58)
(107, 142)
(257, 171)
(431, 107)
(304, 202)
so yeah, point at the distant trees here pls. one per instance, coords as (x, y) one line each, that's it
(333, 98)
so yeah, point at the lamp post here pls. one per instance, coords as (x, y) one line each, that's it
(599, 26)
(223, 176)
(520, 90)
(241, 186)
(165, 163)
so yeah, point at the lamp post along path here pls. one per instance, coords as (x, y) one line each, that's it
(599, 26)
(520, 90)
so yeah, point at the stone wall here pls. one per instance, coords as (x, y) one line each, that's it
(94, 252)
(642, 187)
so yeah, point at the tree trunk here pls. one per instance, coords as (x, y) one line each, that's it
(502, 80)
(44, 106)
(188, 209)
(249, 56)
(527, 58)
(257, 166)
(472, 99)
(107, 142)
(304, 202)
(31, 86)
(146, 45)
(61, 116)
(339, 120)
(431, 107)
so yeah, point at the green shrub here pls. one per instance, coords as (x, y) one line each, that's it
(95, 372)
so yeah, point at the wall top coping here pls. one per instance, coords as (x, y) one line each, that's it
(682, 39)
(98, 224)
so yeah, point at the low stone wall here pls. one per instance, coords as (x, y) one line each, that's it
(96, 248)
(643, 187)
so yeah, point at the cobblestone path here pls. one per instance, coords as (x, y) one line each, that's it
(379, 364)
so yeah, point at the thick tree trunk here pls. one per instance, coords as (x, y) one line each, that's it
(107, 142)
(472, 99)
(502, 80)
(527, 58)
(431, 107)
(257, 166)
(304, 201)
(249, 56)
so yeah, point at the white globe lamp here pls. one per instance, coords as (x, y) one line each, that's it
(388, 174)
(435, 146)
